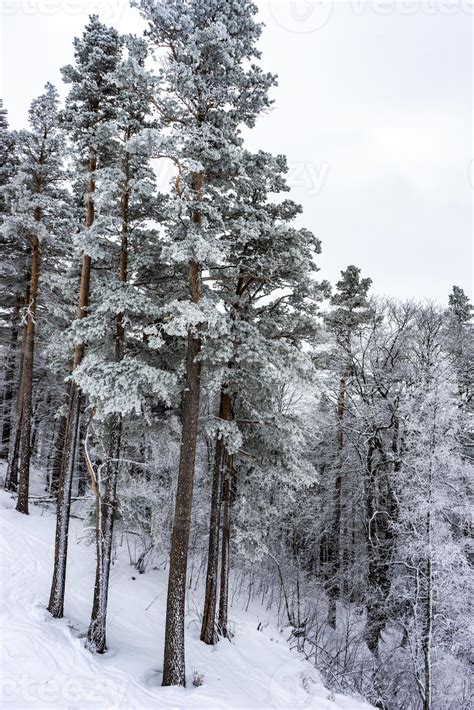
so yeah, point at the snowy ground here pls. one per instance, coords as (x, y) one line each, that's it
(44, 662)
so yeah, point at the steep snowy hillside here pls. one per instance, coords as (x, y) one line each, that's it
(45, 664)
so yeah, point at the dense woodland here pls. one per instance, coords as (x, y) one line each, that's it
(172, 360)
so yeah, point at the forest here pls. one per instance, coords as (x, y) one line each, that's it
(178, 378)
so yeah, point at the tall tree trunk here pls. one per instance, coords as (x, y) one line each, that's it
(106, 498)
(56, 599)
(55, 472)
(10, 370)
(35, 427)
(174, 663)
(225, 551)
(174, 668)
(11, 481)
(82, 474)
(49, 458)
(27, 377)
(74, 403)
(208, 628)
(105, 516)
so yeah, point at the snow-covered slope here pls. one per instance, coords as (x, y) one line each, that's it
(45, 664)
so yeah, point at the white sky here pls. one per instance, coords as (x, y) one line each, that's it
(373, 110)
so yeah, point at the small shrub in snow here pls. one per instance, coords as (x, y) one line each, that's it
(198, 678)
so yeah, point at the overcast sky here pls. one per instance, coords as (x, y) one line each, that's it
(373, 110)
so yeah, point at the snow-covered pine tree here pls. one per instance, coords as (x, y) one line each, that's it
(39, 201)
(460, 305)
(90, 106)
(268, 289)
(460, 340)
(118, 373)
(209, 88)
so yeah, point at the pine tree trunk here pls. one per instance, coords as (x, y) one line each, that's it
(82, 475)
(74, 403)
(49, 459)
(174, 664)
(27, 377)
(174, 669)
(221, 488)
(106, 503)
(11, 481)
(224, 576)
(56, 599)
(35, 426)
(208, 628)
(9, 380)
(58, 455)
